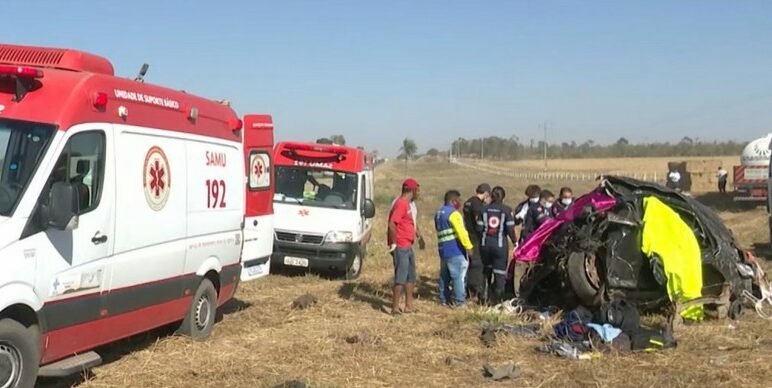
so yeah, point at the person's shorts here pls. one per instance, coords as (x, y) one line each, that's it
(404, 266)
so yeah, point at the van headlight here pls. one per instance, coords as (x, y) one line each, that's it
(339, 237)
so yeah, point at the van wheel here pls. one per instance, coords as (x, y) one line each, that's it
(19, 354)
(355, 268)
(200, 318)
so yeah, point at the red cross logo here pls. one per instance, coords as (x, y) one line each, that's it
(303, 212)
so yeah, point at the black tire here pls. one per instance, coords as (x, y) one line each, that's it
(355, 267)
(577, 278)
(19, 354)
(199, 320)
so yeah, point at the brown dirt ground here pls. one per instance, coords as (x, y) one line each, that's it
(261, 341)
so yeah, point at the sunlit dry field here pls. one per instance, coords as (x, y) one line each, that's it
(261, 341)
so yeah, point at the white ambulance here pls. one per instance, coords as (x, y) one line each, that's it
(323, 207)
(123, 207)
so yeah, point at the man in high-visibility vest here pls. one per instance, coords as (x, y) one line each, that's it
(454, 248)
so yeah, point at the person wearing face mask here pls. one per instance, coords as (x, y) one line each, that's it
(498, 224)
(472, 213)
(566, 199)
(539, 213)
(532, 193)
(455, 249)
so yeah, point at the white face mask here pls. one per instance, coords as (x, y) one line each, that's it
(534, 199)
(548, 205)
(567, 201)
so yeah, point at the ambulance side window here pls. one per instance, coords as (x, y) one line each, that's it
(82, 163)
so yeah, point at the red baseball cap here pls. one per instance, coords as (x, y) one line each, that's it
(410, 184)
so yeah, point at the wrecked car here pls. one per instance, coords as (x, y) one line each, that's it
(593, 253)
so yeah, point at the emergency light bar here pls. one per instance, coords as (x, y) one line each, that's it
(25, 79)
(23, 72)
(317, 148)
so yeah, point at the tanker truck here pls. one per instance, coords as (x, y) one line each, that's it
(750, 177)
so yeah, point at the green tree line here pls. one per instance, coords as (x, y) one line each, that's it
(511, 149)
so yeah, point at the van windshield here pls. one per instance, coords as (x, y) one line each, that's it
(22, 145)
(316, 187)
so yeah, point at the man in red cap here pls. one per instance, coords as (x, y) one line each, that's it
(402, 234)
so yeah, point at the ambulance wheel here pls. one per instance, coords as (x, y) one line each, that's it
(355, 268)
(19, 354)
(199, 320)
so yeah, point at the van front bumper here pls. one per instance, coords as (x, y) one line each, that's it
(324, 257)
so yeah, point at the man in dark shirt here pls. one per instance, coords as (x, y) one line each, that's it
(472, 215)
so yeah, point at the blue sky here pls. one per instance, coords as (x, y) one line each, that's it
(378, 71)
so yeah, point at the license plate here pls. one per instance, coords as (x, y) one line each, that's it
(295, 261)
(255, 270)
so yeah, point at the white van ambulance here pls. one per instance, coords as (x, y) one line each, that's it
(323, 207)
(123, 207)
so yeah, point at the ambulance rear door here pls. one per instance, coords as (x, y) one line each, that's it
(258, 217)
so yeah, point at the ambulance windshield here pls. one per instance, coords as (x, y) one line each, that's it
(315, 187)
(22, 145)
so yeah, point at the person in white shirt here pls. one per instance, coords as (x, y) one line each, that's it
(673, 179)
(722, 176)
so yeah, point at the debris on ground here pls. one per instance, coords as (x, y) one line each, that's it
(508, 371)
(571, 351)
(456, 361)
(363, 338)
(304, 301)
(292, 384)
(488, 335)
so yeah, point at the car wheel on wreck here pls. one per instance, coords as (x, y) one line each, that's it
(583, 277)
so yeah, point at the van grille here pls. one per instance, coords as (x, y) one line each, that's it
(299, 238)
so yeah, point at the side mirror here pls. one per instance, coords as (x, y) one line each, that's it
(63, 206)
(369, 209)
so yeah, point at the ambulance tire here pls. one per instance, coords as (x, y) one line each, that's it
(355, 268)
(19, 354)
(199, 320)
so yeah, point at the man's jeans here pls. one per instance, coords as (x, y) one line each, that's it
(452, 275)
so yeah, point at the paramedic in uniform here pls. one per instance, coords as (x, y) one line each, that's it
(472, 214)
(532, 193)
(497, 224)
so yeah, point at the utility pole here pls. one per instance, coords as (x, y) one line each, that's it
(482, 148)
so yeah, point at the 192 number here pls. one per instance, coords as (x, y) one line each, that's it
(215, 193)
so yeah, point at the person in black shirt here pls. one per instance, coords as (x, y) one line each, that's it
(498, 224)
(472, 214)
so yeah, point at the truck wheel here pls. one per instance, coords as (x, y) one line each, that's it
(19, 354)
(200, 318)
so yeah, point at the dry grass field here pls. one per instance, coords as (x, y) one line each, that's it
(261, 341)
